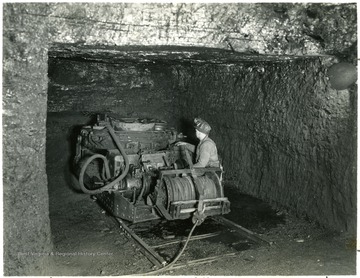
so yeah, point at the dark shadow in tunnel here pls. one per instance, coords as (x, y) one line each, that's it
(250, 212)
(62, 129)
(186, 126)
(63, 148)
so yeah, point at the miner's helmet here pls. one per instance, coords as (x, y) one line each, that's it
(202, 126)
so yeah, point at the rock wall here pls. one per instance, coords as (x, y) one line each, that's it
(272, 28)
(31, 29)
(126, 89)
(26, 221)
(283, 134)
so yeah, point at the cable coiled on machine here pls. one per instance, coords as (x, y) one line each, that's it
(107, 171)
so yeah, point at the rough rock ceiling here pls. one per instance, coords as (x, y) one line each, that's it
(168, 54)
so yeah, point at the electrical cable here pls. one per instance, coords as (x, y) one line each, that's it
(90, 159)
(82, 173)
(176, 258)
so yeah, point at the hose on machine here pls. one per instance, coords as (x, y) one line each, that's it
(106, 165)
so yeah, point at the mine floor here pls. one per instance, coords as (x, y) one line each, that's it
(88, 242)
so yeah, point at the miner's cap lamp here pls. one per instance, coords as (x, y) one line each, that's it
(202, 126)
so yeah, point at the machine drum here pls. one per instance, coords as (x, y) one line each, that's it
(176, 189)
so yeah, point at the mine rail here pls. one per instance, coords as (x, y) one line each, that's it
(243, 231)
(149, 251)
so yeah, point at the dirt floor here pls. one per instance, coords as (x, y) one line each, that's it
(87, 242)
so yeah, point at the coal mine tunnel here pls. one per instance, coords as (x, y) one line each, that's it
(98, 95)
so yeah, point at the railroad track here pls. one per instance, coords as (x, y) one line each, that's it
(152, 252)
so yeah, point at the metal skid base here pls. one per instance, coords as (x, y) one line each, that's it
(119, 206)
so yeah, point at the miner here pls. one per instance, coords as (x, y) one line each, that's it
(206, 151)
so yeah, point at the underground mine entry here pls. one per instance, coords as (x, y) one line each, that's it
(275, 81)
(114, 115)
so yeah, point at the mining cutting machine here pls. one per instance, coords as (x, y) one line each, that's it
(137, 173)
